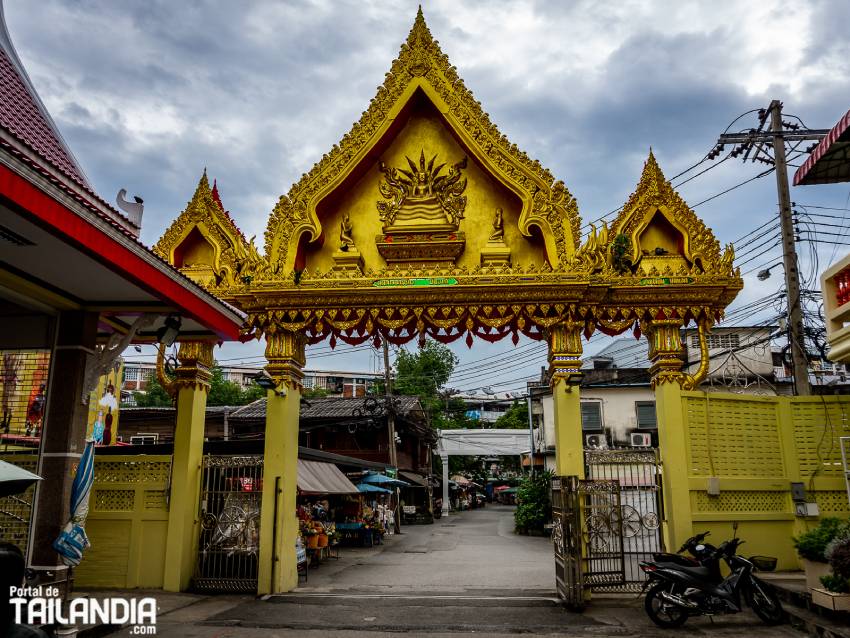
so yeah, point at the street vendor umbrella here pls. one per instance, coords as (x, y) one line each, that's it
(73, 540)
(368, 487)
(382, 479)
(14, 480)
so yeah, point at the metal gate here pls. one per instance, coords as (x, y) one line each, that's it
(231, 493)
(606, 524)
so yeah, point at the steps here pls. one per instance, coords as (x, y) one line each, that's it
(802, 613)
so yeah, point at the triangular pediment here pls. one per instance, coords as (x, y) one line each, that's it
(423, 110)
(204, 242)
(660, 234)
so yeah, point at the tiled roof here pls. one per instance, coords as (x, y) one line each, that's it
(22, 114)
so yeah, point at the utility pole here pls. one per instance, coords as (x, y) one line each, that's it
(753, 144)
(390, 410)
(799, 359)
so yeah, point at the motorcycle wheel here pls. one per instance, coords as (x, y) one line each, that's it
(661, 613)
(765, 603)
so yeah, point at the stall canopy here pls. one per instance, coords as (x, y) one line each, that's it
(322, 478)
(416, 479)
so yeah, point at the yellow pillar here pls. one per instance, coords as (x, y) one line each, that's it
(278, 524)
(665, 348)
(191, 385)
(565, 373)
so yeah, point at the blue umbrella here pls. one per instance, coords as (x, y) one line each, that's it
(368, 487)
(73, 540)
(382, 479)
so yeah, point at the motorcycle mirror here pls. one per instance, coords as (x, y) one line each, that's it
(735, 527)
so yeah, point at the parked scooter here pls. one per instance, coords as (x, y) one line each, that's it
(680, 587)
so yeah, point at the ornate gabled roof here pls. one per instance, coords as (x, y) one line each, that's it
(23, 114)
(421, 65)
(206, 213)
(654, 194)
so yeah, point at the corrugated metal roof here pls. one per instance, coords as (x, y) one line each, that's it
(327, 408)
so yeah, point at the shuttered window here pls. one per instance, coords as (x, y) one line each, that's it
(646, 415)
(591, 416)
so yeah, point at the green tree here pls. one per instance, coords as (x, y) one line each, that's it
(534, 505)
(515, 418)
(154, 395)
(222, 391)
(424, 372)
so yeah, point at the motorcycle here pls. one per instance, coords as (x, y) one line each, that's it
(681, 587)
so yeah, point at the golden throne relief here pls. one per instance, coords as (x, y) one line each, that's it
(421, 211)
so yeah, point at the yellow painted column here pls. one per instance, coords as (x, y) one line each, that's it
(565, 374)
(191, 385)
(278, 569)
(665, 348)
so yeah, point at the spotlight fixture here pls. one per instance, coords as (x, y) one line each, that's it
(168, 333)
(267, 382)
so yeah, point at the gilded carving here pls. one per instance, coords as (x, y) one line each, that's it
(422, 196)
(285, 356)
(193, 369)
(546, 202)
(229, 259)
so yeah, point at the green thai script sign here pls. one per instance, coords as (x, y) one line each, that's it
(666, 281)
(417, 281)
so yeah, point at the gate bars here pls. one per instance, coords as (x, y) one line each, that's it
(231, 493)
(606, 524)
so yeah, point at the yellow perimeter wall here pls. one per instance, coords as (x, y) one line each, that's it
(756, 447)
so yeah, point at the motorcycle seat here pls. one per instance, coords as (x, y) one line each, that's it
(697, 571)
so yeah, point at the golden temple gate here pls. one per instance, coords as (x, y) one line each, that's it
(425, 220)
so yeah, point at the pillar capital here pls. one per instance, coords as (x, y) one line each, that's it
(564, 350)
(286, 357)
(665, 350)
(193, 370)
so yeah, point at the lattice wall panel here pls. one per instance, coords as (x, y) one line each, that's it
(131, 471)
(742, 501)
(732, 437)
(833, 503)
(817, 428)
(114, 500)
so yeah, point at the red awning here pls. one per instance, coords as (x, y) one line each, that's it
(829, 163)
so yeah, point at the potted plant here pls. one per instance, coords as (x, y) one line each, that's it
(835, 594)
(811, 547)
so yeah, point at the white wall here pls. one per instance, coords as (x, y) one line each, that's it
(619, 414)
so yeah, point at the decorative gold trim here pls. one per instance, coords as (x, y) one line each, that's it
(421, 65)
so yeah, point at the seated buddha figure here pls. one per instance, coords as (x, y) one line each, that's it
(422, 197)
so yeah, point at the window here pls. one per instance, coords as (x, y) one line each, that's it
(131, 374)
(646, 415)
(144, 439)
(591, 416)
(724, 341)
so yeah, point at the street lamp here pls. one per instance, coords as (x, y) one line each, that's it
(765, 274)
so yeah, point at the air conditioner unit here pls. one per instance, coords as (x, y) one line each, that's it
(595, 442)
(641, 439)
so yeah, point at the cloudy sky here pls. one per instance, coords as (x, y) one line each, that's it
(149, 93)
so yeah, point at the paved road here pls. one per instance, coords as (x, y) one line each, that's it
(465, 574)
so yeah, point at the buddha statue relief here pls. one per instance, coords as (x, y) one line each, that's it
(421, 212)
(422, 198)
